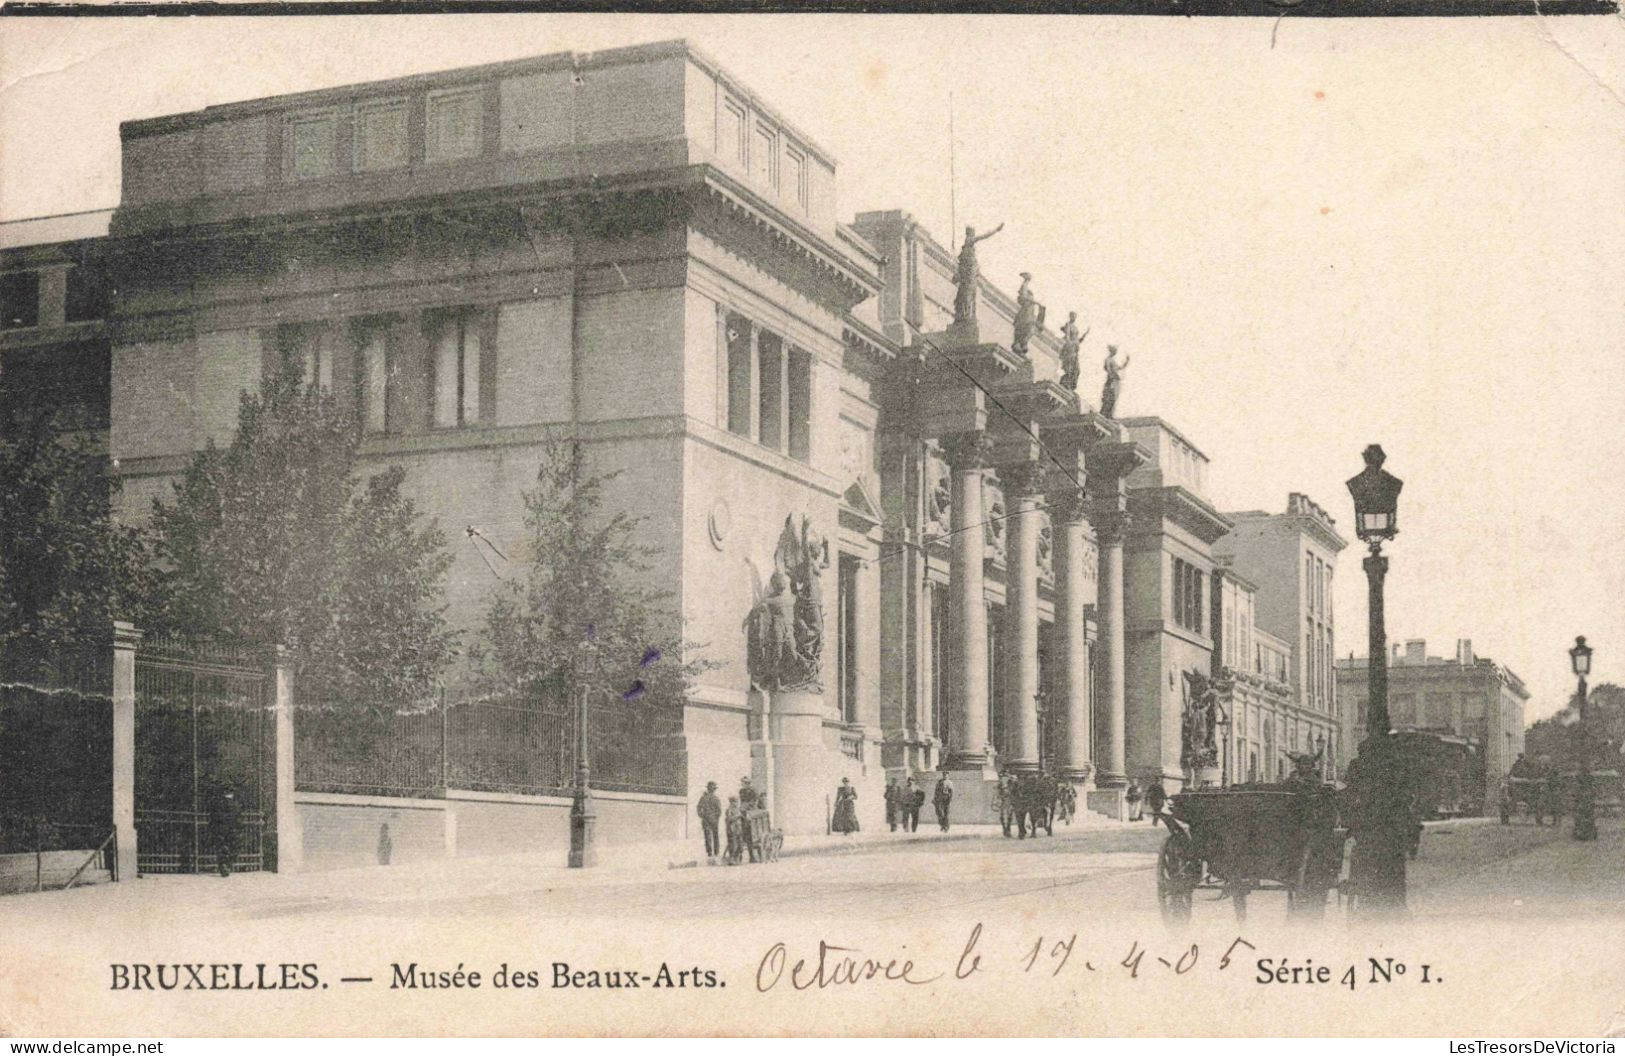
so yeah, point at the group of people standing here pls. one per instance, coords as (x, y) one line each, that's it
(1028, 801)
(712, 818)
(903, 803)
(1153, 798)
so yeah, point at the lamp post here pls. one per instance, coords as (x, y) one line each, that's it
(1381, 814)
(1585, 799)
(583, 855)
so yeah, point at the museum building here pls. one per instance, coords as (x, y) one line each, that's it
(632, 249)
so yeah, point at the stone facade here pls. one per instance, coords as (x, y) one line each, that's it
(633, 250)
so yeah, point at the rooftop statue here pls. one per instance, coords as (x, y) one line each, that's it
(968, 275)
(1071, 340)
(1114, 381)
(1029, 316)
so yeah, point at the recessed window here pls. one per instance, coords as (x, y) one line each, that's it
(374, 366)
(764, 156)
(380, 135)
(454, 125)
(310, 346)
(795, 177)
(313, 145)
(731, 133)
(19, 300)
(463, 367)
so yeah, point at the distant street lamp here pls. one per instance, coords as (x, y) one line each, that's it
(583, 855)
(1381, 815)
(1585, 799)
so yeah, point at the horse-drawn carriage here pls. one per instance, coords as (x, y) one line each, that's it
(1536, 797)
(1239, 840)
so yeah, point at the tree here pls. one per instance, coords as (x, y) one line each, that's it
(276, 539)
(67, 569)
(1558, 737)
(585, 580)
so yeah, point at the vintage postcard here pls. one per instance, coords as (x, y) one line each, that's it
(916, 524)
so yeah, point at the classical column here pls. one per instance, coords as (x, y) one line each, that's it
(1072, 733)
(1022, 488)
(125, 641)
(967, 669)
(1110, 523)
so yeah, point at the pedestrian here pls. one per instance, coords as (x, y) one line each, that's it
(892, 804)
(914, 799)
(710, 811)
(941, 798)
(846, 808)
(225, 819)
(1155, 798)
(1133, 797)
(1007, 802)
(736, 832)
(749, 798)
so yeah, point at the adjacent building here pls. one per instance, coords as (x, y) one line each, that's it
(1290, 559)
(1466, 698)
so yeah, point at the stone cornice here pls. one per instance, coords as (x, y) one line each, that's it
(1182, 507)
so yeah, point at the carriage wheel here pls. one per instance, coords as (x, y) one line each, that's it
(1174, 885)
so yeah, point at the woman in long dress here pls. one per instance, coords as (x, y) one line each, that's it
(846, 808)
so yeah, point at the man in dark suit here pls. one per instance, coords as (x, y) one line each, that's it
(941, 799)
(710, 811)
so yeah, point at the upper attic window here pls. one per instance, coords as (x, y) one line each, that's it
(313, 145)
(731, 133)
(19, 300)
(764, 156)
(794, 185)
(454, 124)
(380, 135)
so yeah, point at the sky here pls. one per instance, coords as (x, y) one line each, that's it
(1309, 235)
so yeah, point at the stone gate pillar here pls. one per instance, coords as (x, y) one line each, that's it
(126, 639)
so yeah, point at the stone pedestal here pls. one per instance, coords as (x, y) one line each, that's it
(794, 761)
(975, 798)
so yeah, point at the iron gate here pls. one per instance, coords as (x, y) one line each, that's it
(204, 746)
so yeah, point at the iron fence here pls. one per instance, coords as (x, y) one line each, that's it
(520, 743)
(56, 749)
(204, 748)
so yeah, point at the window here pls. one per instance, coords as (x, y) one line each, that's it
(769, 388)
(88, 294)
(1309, 582)
(1187, 595)
(939, 659)
(772, 384)
(847, 609)
(19, 300)
(463, 360)
(800, 405)
(309, 346)
(374, 380)
(313, 145)
(380, 135)
(1309, 660)
(455, 128)
(737, 335)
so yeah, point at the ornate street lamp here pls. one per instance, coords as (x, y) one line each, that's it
(1585, 800)
(1381, 816)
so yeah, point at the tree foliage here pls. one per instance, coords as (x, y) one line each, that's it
(584, 610)
(277, 539)
(1560, 738)
(67, 569)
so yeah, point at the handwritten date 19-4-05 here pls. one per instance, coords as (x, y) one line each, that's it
(847, 966)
